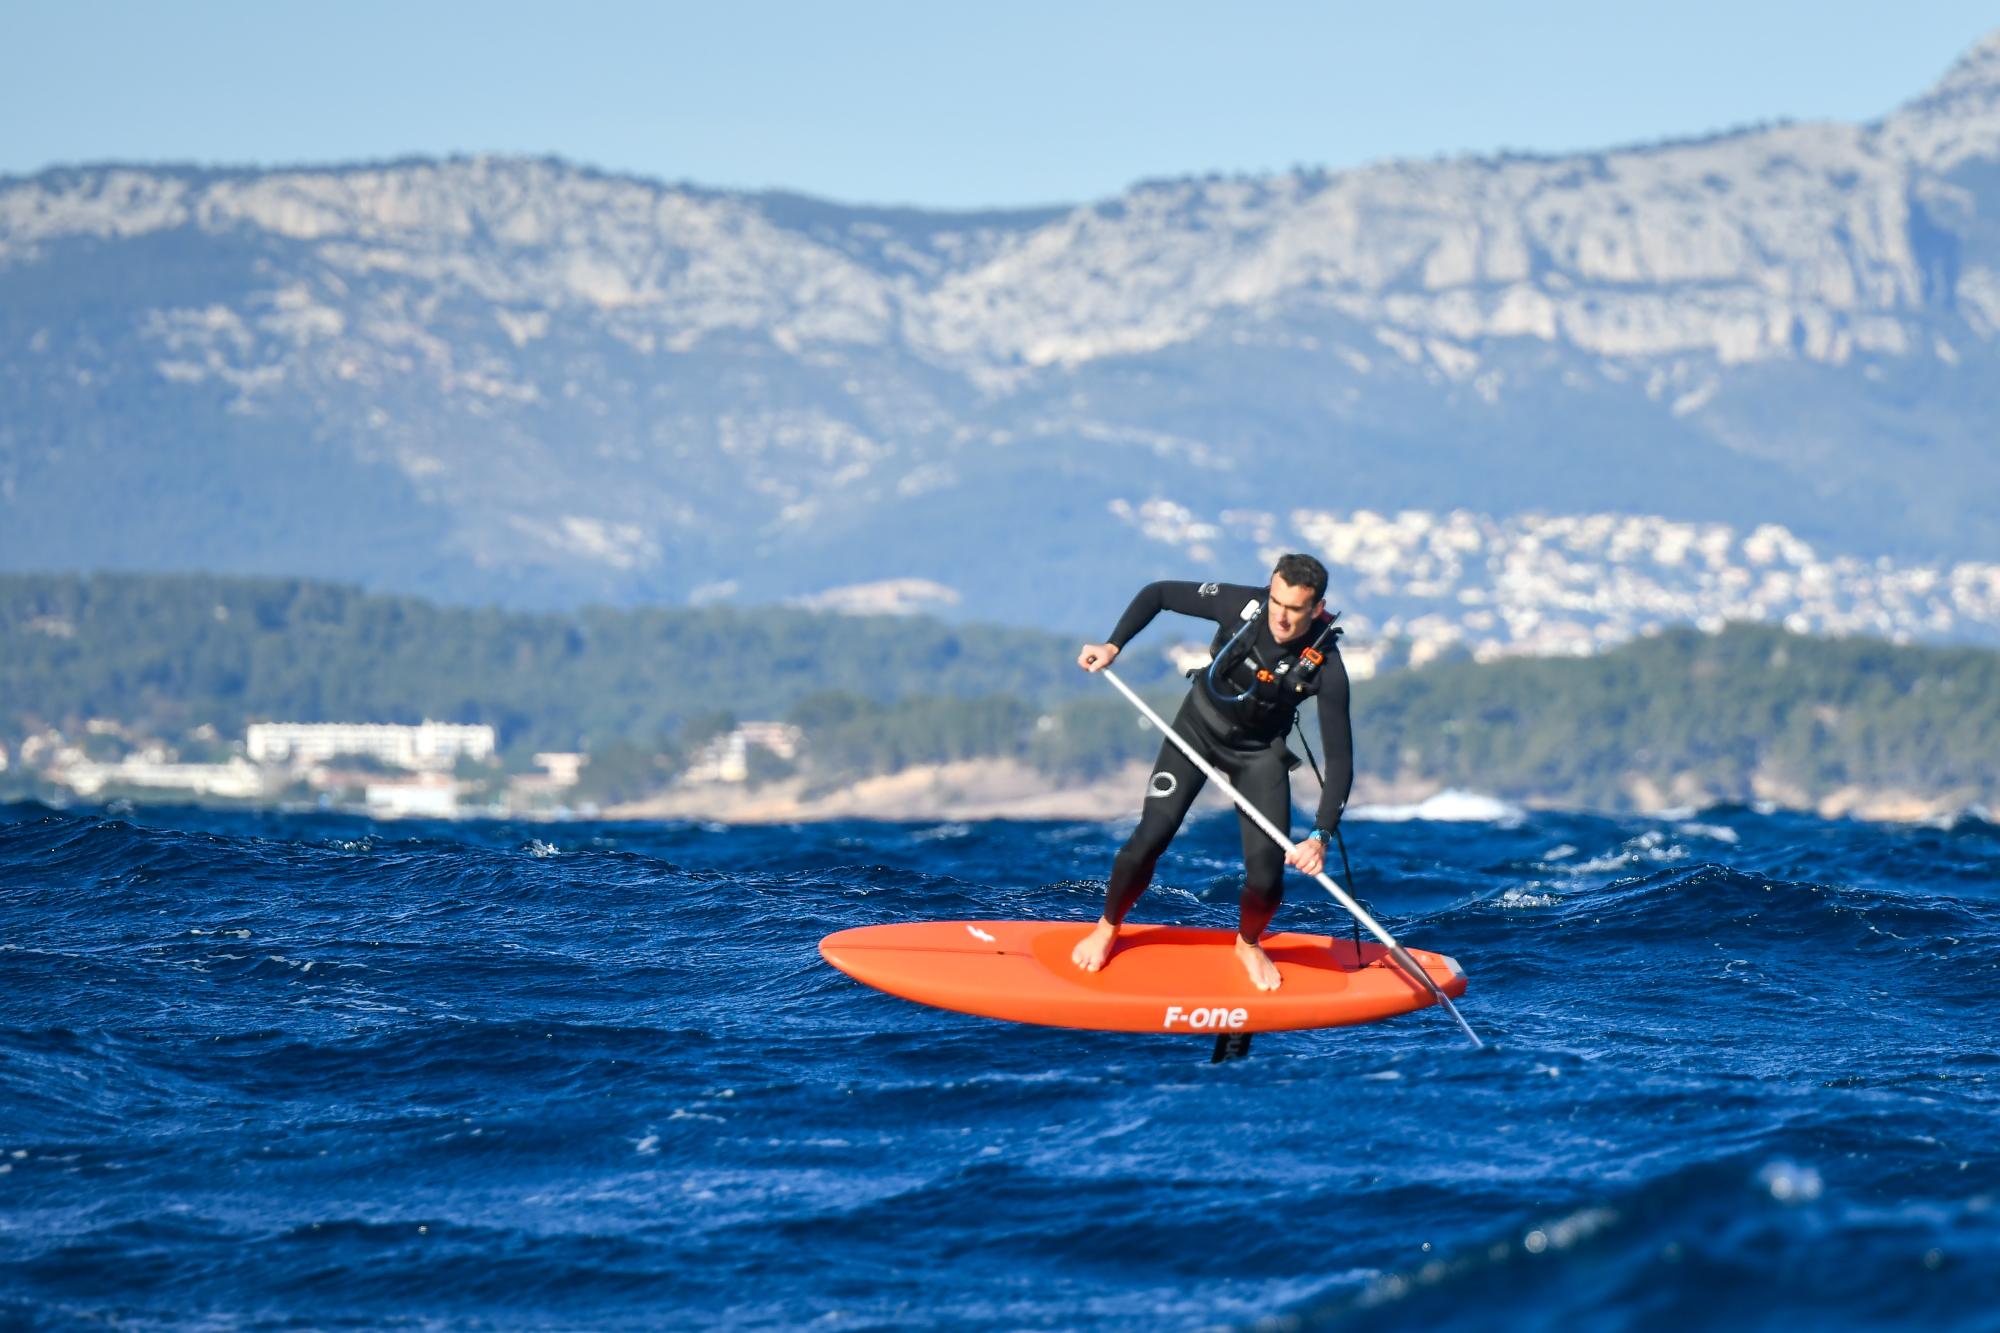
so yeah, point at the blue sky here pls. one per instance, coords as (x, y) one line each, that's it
(940, 103)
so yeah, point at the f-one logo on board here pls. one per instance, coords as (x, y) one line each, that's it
(1205, 1018)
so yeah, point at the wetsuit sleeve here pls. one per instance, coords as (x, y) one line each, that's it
(1219, 602)
(1336, 738)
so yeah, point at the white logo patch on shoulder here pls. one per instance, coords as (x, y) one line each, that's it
(1210, 589)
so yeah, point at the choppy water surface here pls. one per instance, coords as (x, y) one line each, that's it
(312, 1071)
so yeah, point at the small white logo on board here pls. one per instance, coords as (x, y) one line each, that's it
(979, 934)
(1203, 1018)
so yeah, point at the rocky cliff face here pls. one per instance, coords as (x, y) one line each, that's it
(516, 378)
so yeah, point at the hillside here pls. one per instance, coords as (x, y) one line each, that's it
(1678, 719)
(519, 380)
(168, 654)
(1690, 719)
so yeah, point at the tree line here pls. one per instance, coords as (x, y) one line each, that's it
(1711, 716)
(1698, 716)
(169, 653)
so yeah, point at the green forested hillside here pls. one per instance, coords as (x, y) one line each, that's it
(171, 652)
(1685, 715)
(1698, 717)
(1704, 713)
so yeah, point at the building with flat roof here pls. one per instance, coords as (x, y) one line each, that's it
(429, 745)
(426, 796)
(234, 779)
(727, 757)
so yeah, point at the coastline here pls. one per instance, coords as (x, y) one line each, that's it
(1008, 789)
(975, 790)
(963, 790)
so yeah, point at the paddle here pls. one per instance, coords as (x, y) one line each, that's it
(1340, 895)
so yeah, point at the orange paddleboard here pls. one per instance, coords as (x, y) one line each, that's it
(1158, 979)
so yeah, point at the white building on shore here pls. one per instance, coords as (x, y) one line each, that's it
(727, 757)
(235, 779)
(431, 745)
(424, 796)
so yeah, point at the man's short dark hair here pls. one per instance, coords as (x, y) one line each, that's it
(1302, 571)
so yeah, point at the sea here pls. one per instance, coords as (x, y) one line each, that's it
(304, 1070)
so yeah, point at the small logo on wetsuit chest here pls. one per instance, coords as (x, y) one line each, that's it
(1210, 589)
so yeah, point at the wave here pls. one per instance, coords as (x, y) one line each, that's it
(241, 1055)
(1721, 1243)
(1448, 807)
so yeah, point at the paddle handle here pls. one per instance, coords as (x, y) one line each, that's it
(1340, 895)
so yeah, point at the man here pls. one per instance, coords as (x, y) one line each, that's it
(1272, 651)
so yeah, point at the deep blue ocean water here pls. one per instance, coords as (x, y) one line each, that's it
(311, 1071)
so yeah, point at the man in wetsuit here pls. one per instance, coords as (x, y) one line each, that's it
(1236, 717)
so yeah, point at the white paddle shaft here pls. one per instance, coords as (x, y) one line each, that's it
(1340, 895)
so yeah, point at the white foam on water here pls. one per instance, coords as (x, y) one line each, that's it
(1651, 845)
(1122, 1128)
(1072, 833)
(1447, 807)
(1716, 832)
(1788, 1182)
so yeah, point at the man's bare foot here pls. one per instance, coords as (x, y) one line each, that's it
(1263, 972)
(1094, 948)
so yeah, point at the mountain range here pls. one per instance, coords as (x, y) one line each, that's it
(528, 382)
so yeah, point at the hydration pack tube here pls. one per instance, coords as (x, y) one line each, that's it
(1265, 683)
(1250, 614)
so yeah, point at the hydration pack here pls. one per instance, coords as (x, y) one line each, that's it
(1271, 687)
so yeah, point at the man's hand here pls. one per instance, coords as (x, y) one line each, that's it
(1308, 855)
(1096, 656)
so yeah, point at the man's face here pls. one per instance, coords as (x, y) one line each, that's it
(1291, 609)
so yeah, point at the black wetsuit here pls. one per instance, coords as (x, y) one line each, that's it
(1245, 740)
